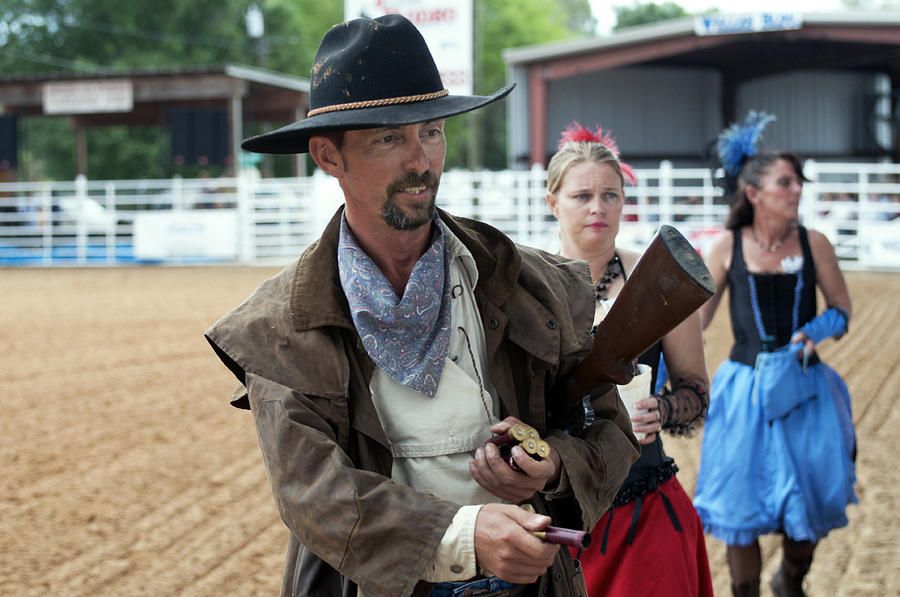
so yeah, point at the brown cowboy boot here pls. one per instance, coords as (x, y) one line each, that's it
(788, 579)
(748, 588)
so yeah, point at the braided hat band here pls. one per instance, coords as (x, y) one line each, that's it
(390, 101)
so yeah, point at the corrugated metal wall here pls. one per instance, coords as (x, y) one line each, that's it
(517, 118)
(820, 114)
(667, 113)
(659, 112)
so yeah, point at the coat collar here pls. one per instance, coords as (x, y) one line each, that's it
(317, 299)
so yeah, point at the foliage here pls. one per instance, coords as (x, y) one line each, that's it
(642, 14)
(502, 24)
(104, 35)
(95, 36)
(46, 149)
(299, 25)
(85, 36)
(579, 17)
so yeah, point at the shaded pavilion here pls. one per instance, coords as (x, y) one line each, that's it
(240, 94)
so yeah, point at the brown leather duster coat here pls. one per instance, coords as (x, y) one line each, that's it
(305, 376)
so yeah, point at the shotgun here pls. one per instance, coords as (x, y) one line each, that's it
(669, 282)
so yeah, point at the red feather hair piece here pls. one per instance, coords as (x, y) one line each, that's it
(576, 133)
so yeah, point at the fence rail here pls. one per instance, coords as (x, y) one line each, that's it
(251, 220)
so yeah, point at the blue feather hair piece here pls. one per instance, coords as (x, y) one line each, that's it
(738, 142)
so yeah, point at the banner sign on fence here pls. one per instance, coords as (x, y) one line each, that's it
(88, 97)
(879, 244)
(200, 234)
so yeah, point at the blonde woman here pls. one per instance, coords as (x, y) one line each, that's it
(650, 542)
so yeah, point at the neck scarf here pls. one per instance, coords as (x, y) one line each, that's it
(407, 337)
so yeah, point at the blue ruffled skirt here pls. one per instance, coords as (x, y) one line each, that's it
(793, 475)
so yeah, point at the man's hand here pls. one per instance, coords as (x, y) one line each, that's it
(504, 547)
(492, 472)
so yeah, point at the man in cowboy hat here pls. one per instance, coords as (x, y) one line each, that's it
(378, 364)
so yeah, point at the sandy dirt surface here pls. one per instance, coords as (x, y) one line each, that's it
(126, 473)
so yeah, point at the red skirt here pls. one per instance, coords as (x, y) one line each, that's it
(660, 560)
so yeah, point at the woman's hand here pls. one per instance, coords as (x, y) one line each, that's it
(647, 422)
(808, 344)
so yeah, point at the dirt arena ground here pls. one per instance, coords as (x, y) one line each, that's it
(126, 473)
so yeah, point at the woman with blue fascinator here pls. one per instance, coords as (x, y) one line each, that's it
(778, 448)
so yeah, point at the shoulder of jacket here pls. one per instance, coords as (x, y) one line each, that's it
(562, 286)
(258, 337)
(540, 268)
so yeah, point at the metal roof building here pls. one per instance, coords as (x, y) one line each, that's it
(667, 89)
(195, 102)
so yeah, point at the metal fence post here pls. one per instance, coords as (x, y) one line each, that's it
(811, 198)
(80, 219)
(47, 224)
(709, 197)
(863, 199)
(246, 248)
(535, 189)
(177, 193)
(523, 210)
(665, 192)
(112, 222)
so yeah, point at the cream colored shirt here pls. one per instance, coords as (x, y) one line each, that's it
(433, 440)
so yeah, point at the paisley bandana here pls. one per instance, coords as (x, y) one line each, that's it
(407, 338)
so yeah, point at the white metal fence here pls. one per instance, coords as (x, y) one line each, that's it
(266, 221)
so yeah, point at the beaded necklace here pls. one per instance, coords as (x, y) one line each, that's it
(777, 244)
(614, 269)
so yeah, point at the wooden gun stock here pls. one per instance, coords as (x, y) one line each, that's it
(669, 282)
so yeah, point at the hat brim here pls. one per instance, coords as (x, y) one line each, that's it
(294, 138)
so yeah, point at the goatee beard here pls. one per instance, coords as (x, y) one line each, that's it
(395, 217)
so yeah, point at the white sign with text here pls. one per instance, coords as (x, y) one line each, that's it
(88, 97)
(446, 26)
(879, 244)
(186, 235)
(729, 24)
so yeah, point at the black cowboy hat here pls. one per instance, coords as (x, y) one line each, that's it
(370, 73)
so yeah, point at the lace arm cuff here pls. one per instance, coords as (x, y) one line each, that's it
(682, 408)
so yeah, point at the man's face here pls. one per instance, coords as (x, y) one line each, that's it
(391, 175)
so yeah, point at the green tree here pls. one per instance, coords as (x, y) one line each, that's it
(501, 24)
(85, 36)
(294, 29)
(579, 16)
(644, 13)
(109, 35)
(40, 36)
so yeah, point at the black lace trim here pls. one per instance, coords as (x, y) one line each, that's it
(653, 479)
(674, 404)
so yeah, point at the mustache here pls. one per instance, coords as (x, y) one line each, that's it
(427, 179)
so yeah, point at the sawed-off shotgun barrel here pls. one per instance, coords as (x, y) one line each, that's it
(669, 282)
